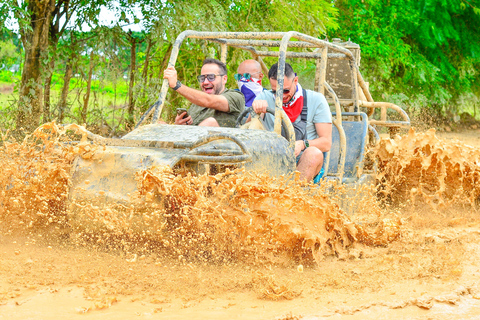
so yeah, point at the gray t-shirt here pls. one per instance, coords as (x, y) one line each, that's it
(236, 103)
(318, 111)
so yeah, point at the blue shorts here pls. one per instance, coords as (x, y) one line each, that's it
(319, 176)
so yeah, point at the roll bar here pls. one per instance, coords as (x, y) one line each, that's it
(282, 40)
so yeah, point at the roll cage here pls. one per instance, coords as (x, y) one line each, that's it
(337, 76)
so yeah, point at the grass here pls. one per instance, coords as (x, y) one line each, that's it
(108, 100)
(106, 107)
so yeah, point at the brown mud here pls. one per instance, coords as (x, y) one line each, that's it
(242, 246)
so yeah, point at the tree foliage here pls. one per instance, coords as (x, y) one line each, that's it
(423, 53)
(426, 51)
(8, 53)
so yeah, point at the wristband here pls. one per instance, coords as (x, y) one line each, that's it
(179, 84)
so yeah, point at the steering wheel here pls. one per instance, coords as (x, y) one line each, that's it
(285, 122)
(240, 120)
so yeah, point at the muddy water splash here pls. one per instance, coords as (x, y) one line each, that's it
(35, 175)
(233, 216)
(208, 237)
(255, 216)
(421, 169)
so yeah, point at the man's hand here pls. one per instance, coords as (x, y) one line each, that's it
(260, 106)
(171, 75)
(179, 119)
(299, 146)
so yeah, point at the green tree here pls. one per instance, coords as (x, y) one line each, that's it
(8, 54)
(44, 25)
(427, 50)
(41, 22)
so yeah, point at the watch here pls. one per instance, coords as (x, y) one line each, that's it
(306, 144)
(179, 84)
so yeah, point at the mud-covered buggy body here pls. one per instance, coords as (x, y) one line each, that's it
(110, 174)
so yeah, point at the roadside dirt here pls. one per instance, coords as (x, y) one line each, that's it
(427, 267)
(6, 89)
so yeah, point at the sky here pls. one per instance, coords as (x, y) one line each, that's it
(107, 18)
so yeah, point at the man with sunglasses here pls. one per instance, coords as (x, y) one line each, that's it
(215, 105)
(249, 80)
(310, 115)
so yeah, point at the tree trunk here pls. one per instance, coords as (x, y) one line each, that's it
(164, 63)
(131, 102)
(86, 97)
(62, 105)
(145, 65)
(144, 99)
(46, 96)
(58, 24)
(35, 39)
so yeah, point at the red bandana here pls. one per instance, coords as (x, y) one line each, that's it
(294, 107)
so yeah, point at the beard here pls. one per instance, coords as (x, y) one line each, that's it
(218, 89)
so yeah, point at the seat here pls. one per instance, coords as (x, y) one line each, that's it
(356, 136)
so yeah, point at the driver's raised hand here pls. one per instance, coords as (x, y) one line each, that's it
(171, 75)
(179, 119)
(260, 106)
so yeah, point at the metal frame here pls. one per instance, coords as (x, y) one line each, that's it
(247, 41)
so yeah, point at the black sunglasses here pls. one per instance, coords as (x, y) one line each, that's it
(210, 77)
(285, 91)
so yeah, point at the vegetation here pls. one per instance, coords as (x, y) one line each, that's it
(423, 54)
(420, 53)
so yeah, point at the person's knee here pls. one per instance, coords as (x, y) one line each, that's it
(209, 122)
(314, 156)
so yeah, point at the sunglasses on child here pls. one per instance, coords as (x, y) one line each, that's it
(247, 76)
(210, 77)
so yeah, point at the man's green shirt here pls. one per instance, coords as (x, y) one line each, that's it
(236, 103)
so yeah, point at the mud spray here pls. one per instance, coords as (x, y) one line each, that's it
(243, 237)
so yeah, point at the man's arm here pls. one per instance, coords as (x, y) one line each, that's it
(324, 140)
(200, 98)
(322, 122)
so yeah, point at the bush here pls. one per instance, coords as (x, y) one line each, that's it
(6, 76)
